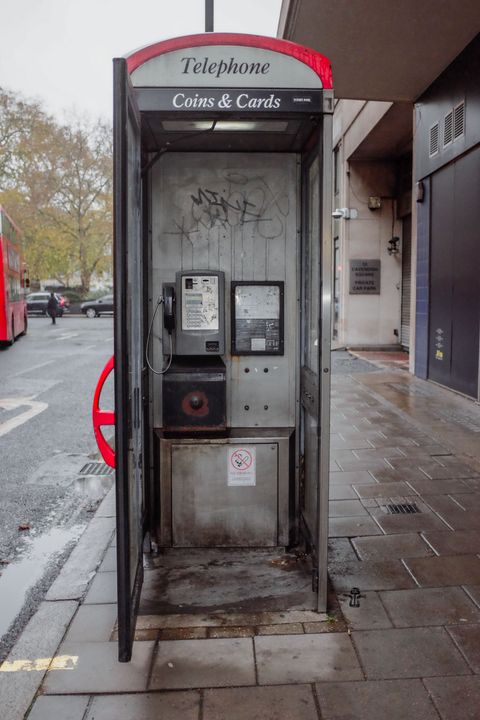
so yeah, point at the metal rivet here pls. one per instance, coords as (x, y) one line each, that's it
(246, 407)
(265, 369)
(247, 370)
(265, 407)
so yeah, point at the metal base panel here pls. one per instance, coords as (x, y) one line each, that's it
(226, 492)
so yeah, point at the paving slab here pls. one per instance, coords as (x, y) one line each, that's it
(203, 663)
(306, 658)
(92, 623)
(338, 442)
(59, 708)
(22, 672)
(408, 653)
(370, 575)
(107, 506)
(103, 590)
(467, 638)
(359, 477)
(94, 668)
(382, 490)
(456, 698)
(468, 500)
(346, 508)
(460, 542)
(372, 465)
(369, 615)
(380, 452)
(473, 592)
(430, 606)
(341, 550)
(266, 703)
(458, 519)
(444, 571)
(352, 527)
(452, 469)
(402, 475)
(375, 700)
(145, 706)
(385, 547)
(75, 575)
(342, 491)
(440, 487)
(109, 562)
(417, 522)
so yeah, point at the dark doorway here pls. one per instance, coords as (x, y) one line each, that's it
(454, 275)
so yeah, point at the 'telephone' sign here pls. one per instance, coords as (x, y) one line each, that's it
(242, 101)
(229, 66)
(217, 69)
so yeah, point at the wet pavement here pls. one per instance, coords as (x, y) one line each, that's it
(405, 496)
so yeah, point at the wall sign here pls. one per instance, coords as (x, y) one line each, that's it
(364, 277)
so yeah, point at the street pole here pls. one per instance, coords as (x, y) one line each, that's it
(208, 15)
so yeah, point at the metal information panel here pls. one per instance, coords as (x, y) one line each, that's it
(200, 302)
(257, 318)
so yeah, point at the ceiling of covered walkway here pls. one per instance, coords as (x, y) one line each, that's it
(382, 49)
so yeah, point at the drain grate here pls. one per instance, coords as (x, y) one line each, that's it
(402, 508)
(96, 468)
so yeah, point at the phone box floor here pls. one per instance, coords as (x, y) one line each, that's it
(226, 580)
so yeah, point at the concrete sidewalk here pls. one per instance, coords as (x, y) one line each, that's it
(405, 499)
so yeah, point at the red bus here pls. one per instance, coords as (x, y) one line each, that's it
(13, 305)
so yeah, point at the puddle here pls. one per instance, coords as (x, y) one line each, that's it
(20, 576)
(92, 486)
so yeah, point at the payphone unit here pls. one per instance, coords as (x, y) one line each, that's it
(193, 388)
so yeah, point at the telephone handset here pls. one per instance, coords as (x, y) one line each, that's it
(169, 308)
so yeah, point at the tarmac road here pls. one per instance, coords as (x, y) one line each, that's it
(47, 380)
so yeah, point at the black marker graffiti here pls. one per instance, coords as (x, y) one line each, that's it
(233, 210)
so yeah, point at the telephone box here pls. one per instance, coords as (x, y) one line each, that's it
(222, 261)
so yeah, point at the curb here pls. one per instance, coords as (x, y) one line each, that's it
(23, 671)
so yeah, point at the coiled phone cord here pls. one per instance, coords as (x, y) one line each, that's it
(157, 372)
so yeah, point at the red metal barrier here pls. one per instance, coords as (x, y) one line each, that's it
(103, 417)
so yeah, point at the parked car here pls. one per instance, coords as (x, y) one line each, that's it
(95, 308)
(37, 303)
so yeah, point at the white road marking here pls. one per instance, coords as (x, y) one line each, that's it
(66, 336)
(34, 367)
(35, 407)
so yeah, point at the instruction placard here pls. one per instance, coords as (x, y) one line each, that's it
(241, 466)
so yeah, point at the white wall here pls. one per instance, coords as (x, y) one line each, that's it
(366, 320)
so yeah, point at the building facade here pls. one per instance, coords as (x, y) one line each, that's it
(407, 179)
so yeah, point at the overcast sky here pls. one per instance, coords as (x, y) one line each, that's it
(60, 51)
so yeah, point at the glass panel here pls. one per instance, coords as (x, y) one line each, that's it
(134, 325)
(310, 472)
(313, 267)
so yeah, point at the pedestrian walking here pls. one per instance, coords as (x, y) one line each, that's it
(52, 307)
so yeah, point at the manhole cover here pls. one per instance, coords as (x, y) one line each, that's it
(402, 508)
(96, 468)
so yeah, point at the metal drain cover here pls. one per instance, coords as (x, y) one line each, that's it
(96, 468)
(402, 508)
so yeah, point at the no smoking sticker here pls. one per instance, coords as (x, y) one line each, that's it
(241, 466)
